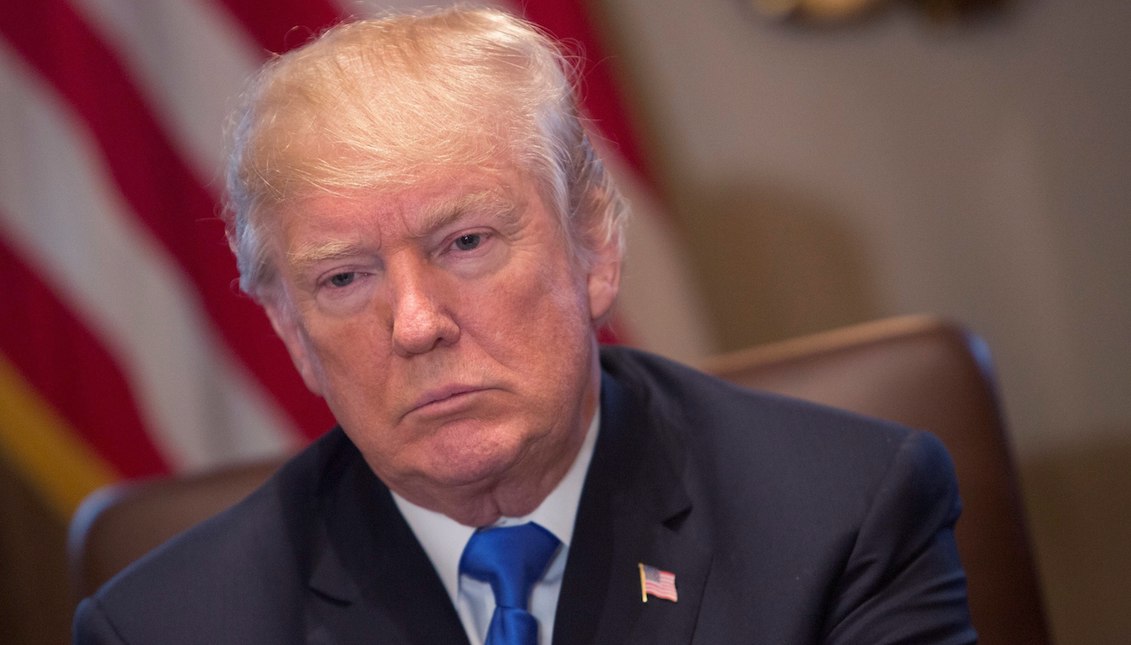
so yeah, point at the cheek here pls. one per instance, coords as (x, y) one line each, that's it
(528, 305)
(531, 325)
(350, 353)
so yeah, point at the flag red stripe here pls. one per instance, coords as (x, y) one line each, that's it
(280, 25)
(660, 584)
(158, 185)
(569, 21)
(60, 358)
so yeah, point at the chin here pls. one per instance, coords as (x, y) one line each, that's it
(468, 460)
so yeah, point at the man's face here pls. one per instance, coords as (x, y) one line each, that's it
(450, 332)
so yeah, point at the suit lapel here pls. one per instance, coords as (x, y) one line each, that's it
(632, 511)
(370, 579)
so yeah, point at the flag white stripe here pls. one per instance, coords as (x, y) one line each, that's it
(189, 59)
(59, 208)
(363, 8)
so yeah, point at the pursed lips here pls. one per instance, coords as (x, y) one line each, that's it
(441, 399)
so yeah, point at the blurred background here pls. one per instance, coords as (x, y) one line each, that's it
(796, 166)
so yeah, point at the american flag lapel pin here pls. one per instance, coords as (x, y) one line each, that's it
(656, 582)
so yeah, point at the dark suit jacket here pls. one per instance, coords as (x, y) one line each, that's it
(783, 522)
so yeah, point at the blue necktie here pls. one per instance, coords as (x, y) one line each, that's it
(511, 559)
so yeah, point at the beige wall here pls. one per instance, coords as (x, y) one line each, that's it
(981, 171)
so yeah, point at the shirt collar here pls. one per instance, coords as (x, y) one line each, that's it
(443, 538)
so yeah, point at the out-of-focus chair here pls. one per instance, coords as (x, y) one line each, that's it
(918, 371)
(926, 373)
(120, 523)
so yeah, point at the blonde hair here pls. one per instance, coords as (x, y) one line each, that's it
(382, 102)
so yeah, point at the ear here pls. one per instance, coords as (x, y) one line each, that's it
(604, 280)
(285, 322)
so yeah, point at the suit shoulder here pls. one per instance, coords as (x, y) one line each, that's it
(826, 508)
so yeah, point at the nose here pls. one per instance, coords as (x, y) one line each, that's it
(420, 317)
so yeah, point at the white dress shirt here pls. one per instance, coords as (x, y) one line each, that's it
(443, 540)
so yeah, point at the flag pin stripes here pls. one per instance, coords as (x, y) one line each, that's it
(657, 582)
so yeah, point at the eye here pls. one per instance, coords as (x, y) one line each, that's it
(468, 242)
(340, 280)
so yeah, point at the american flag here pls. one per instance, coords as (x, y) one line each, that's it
(125, 349)
(658, 583)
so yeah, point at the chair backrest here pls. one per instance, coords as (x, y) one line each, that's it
(118, 524)
(928, 374)
(918, 371)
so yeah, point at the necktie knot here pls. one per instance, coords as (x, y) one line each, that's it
(511, 559)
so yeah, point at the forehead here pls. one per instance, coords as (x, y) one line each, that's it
(413, 208)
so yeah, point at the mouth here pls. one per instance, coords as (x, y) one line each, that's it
(444, 400)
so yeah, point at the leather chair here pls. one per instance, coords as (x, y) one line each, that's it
(118, 524)
(918, 371)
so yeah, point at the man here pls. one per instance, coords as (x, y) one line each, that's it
(416, 206)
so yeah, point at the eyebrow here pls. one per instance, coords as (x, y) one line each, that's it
(312, 254)
(493, 202)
